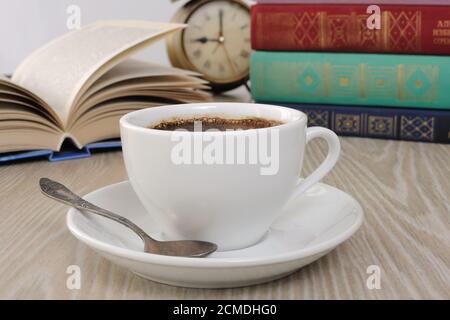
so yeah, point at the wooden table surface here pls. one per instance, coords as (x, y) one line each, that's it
(404, 188)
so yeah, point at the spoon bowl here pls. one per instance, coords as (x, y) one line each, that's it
(195, 248)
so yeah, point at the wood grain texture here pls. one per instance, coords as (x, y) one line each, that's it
(404, 188)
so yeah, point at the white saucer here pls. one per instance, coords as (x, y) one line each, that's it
(315, 224)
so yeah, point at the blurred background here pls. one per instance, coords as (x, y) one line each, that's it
(38, 21)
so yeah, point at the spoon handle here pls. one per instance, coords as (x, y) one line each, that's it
(59, 192)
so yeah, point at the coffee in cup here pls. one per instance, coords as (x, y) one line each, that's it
(215, 123)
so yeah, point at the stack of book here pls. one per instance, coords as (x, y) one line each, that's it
(380, 71)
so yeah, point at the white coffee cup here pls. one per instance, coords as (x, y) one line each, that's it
(231, 202)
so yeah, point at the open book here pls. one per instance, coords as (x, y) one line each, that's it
(79, 85)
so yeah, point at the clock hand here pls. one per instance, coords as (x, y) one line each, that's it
(204, 40)
(221, 37)
(217, 47)
(220, 23)
(229, 59)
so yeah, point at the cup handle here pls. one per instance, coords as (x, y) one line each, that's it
(334, 149)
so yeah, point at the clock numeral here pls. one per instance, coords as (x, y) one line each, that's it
(247, 40)
(221, 68)
(197, 54)
(245, 26)
(245, 54)
(207, 64)
(207, 17)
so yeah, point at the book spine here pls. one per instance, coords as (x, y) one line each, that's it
(351, 79)
(386, 123)
(414, 29)
(53, 156)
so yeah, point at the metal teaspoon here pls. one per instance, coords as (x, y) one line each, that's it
(182, 248)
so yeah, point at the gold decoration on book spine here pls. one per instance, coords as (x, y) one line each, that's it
(307, 28)
(411, 82)
(404, 31)
(400, 31)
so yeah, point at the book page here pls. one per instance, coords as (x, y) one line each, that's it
(23, 127)
(139, 70)
(19, 95)
(10, 112)
(128, 88)
(134, 69)
(60, 71)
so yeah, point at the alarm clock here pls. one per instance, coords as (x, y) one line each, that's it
(215, 43)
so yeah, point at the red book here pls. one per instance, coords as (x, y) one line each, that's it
(412, 29)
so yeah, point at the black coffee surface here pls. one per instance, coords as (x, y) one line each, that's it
(217, 123)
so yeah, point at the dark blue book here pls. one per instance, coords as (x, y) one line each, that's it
(67, 153)
(383, 123)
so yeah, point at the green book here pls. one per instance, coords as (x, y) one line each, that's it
(342, 78)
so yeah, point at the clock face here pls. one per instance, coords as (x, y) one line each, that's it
(217, 40)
